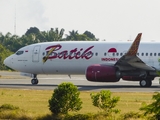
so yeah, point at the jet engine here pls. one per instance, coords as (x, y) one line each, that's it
(102, 73)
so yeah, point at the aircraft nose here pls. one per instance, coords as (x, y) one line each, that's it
(7, 62)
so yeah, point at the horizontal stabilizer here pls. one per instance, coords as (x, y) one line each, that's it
(141, 66)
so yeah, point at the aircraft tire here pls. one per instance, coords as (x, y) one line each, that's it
(145, 83)
(34, 81)
(149, 83)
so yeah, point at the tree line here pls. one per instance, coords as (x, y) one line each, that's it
(34, 35)
(11, 43)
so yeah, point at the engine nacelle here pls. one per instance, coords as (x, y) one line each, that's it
(102, 73)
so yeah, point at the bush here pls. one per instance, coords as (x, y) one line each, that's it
(8, 111)
(64, 99)
(78, 117)
(8, 107)
(152, 109)
(104, 102)
(130, 115)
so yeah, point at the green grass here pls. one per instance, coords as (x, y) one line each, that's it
(35, 102)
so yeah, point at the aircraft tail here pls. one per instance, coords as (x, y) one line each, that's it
(134, 47)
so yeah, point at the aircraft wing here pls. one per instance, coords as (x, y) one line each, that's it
(130, 61)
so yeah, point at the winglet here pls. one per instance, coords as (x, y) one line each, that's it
(134, 47)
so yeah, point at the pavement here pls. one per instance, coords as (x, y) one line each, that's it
(14, 80)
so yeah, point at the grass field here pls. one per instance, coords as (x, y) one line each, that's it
(36, 101)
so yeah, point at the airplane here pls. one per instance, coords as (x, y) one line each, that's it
(99, 61)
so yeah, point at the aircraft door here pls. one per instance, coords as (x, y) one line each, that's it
(35, 55)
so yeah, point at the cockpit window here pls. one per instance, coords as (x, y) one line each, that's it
(19, 52)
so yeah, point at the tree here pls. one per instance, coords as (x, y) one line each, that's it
(51, 35)
(82, 37)
(32, 30)
(3, 54)
(90, 35)
(104, 102)
(153, 108)
(56, 35)
(72, 35)
(1, 38)
(64, 99)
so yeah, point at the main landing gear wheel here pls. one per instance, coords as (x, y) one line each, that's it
(34, 81)
(145, 83)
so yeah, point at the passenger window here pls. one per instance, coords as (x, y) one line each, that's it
(137, 54)
(105, 54)
(121, 54)
(142, 54)
(150, 54)
(158, 54)
(117, 54)
(92, 53)
(96, 54)
(146, 54)
(19, 52)
(113, 54)
(155, 54)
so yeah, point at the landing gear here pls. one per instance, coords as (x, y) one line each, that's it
(145, 83)
(34, 81)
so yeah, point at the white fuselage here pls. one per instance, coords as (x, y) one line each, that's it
(75, 56)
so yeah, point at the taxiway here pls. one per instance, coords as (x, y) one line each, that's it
(49, 82)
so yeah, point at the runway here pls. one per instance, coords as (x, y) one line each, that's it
(14, 80)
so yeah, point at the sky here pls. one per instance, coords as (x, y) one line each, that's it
(110, 20)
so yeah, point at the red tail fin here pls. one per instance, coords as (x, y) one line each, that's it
(134, 47)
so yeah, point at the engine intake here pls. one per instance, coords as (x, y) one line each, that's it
(102, 73)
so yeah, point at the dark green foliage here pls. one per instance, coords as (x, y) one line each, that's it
(152, 109)
(130, 115)
(104, 102)
(75, 36)
(87, 116)
(8, 107)
(3, 54)
(64, 99)
(78, 117)
(10, 112)
(72, 35)
(32, 30)
(90, 35)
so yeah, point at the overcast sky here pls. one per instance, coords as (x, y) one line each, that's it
(106, 19)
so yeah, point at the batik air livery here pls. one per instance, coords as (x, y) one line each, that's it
(99, 61)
